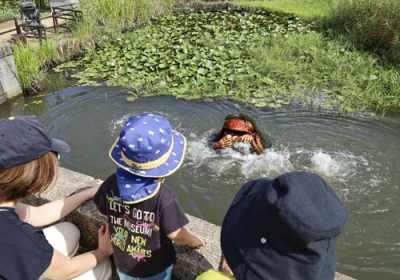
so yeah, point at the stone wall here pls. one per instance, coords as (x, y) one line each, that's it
(9, 82)
(189, 262)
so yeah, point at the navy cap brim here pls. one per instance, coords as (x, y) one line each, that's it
(59, 146)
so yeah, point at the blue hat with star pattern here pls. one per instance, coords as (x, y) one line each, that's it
(148, 147)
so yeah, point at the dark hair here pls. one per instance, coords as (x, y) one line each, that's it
(33, 177)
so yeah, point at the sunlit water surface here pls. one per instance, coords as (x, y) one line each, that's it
(358, 158)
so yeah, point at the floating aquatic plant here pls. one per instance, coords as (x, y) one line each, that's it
(176, 53)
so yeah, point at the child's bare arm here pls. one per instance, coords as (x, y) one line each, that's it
(183, 237)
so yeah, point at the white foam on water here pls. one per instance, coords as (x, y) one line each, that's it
(241, 163)
(323, 163)
(117, 124)
(238, 162)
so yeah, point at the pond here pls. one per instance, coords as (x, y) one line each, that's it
(359, 158)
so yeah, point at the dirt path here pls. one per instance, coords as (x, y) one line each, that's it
(5, 26)
(9, 25)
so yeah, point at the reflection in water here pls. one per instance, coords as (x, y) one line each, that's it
(358, 158)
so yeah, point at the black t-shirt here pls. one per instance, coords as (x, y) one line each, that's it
(25, 252)
(139, 230)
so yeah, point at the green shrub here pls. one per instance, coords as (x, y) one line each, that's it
(373, 25)
(9, 9)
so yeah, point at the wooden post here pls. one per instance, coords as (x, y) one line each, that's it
(40, 28)
(55, 21)
(17, 27)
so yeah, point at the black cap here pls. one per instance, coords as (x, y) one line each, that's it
(24, 139)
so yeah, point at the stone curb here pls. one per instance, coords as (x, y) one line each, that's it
(189, 262)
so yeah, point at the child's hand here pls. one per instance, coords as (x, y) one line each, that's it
(196, 242)
(226, 142)
(247, 138)
(104, 240)
(182, 237)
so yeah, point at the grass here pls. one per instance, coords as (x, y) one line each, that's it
(353, 81)
(28, 66)
(110, 17)
(372, 25)
(369, 30)
(306, 9)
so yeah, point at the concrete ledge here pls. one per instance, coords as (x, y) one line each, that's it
(189, 262)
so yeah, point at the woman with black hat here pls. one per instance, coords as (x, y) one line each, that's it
(29, 165)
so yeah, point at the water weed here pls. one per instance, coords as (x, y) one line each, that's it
(177, 53)
(261, 58)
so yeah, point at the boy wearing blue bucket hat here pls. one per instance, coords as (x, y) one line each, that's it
(143, 214)
(282, 228)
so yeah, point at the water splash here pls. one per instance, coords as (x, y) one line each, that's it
(242, 162)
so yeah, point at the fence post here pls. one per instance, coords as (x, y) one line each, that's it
(17, 27)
